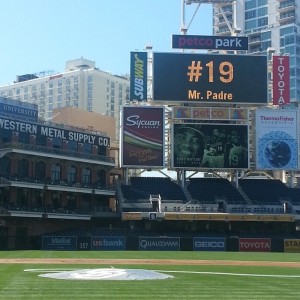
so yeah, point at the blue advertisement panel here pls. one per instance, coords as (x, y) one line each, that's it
(18, 109)
(59, 243)
(108, 243)
(138, 76)
(207, 78)
(276, 139)
(159, 243)
(209, 244)
(209, 42)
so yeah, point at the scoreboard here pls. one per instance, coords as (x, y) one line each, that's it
(209, 78)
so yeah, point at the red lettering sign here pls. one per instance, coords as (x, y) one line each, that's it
(255, 245)
(281, 80)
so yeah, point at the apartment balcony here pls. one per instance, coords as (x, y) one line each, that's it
(286, 7)
(286, 18)
(227, 10)
(252, 42)
(224, 31)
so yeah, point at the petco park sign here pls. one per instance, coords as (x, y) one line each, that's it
(255, 245)
(209, 42)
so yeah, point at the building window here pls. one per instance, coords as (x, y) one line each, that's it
(55, 172)
(72, 171)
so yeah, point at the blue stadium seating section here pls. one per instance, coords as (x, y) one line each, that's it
(265, 191)
(212, 190)
(143, 187)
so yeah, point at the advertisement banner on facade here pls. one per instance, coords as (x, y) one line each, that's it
(292, 245)
(108, 243)
(276, 139)
(210, 146)
(19, 109)
(159, 244)
(209, 42)
(207, 78)
(142, 136)
(59, 133)
(59, 243)
(209, 244)
(255, 245)
(138, 76)
(281, 80)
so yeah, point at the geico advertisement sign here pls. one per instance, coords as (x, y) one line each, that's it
(108, 243)
(147, 243)
(255, 245)
(291, 245)
(209, 244)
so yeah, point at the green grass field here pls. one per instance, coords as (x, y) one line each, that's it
(189, 282)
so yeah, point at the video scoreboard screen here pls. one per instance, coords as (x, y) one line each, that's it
(209, 78)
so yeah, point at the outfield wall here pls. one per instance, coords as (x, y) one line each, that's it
(153, 243)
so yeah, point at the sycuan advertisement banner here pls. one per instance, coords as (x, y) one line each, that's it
(138, 76)
(206, 78)
(254, 245)
(209, 244)
(142, 136)
(159, 243)
(281, 80)
(276, 139)
(210, 146)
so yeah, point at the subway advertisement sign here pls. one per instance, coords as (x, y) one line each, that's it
(209, 78)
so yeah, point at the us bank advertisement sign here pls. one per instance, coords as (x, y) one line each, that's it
(209, 244)
(138, 76)
(276, 139)
(142, 136)
(108, 243)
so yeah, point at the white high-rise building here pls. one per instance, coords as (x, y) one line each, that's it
(81, 85)
(272, 27)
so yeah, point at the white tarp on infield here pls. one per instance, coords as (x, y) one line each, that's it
(107, 274)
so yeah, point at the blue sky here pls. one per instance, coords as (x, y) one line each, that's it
(38, 35)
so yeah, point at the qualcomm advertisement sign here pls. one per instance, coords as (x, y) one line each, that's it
(209, 244)
(159, 244)
(108, 243)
